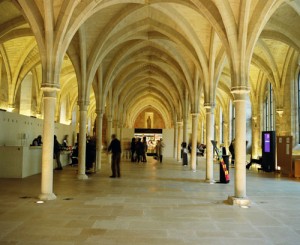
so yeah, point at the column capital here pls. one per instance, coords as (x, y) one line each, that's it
(279, 111)
(209, 105)
(240, 90)
(99, 112)
(50, 86)
(209, 110)
(195, 114)
(240, 93)
(83, 104)
(11, 107)
(49, 91)
(179, 123)
(240, 97)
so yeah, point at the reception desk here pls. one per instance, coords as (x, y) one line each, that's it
(24, 161)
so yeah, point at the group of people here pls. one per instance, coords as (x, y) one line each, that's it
(56, 149)
(138, 150)
(90, 156)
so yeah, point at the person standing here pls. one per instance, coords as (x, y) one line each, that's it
(161, 149)
(132, 149)
(56, 153)
(145, 149)
(139, 148)
(115, 148)
(232, 151)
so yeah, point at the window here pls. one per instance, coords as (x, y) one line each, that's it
(268, 109)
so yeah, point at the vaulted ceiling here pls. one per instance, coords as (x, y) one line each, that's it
(146, 53)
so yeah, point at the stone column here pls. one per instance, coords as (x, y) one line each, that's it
(109, 133)
(120, 126)
(194, 140)
(179, 141)
(185, 130)
(175, 140)
(209, 146)
(115, 127)
(82, 141)
(1, 70)
(99, 122)
(226, 135)
(48, 142)
(240, 151)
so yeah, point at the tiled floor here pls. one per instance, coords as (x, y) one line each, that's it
(151, 204)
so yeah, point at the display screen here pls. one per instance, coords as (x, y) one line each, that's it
(267, 142)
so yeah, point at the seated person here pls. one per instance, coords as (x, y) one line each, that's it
(37, 141)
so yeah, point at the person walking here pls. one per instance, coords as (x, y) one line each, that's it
(115, 148)
(56, 153)
(232, 151)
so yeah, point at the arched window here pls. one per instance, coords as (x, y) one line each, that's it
(268, 118)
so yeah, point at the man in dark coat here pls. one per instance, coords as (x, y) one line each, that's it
(115, 148)
(56, 153)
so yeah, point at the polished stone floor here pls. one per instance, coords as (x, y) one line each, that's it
(152, 203)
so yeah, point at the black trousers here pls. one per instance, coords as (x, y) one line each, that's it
(115, 164)
(57, 157)
(160, 158)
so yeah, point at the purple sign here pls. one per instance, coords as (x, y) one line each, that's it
(267, 142)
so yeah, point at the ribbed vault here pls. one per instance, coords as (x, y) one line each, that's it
(146, 53)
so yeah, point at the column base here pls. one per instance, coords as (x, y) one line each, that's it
(239, 201)
(210, 181)
(47, 196)
(82, 176)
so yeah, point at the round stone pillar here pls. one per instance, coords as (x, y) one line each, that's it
(209, 147)
(109, 133)
(175, 140)
(240, 197)
(48, 141)
(194, 141)
(82, 141)
(99, 122)
(179, 141)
